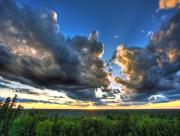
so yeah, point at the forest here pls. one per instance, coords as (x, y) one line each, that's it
(16, 121)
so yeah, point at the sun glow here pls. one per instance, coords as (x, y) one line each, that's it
(24, 51)
(168, 105)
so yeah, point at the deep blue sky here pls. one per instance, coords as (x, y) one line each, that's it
(129, 19)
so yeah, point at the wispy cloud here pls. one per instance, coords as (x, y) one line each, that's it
(115, 36)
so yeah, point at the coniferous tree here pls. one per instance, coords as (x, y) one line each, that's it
(8, 113)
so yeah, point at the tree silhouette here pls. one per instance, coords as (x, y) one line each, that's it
(8, 112)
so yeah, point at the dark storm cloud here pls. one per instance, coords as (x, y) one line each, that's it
(156, 67)
(6, 55)
(25, 100)
(83, 94)
(35, 101)
(33, 51)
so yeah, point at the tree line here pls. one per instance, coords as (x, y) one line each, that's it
(17, 122)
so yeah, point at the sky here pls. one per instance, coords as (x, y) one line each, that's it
(116, 21)
(65, 53)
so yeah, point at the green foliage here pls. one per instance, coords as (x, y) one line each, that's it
(154, 126)
(130, 134)
(23, 125)
(44, 128)
(8, 112)
(124, 123)
(176, 124)
(66, 128)
(94, 126)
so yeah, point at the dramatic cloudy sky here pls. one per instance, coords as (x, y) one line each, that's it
(90, 54)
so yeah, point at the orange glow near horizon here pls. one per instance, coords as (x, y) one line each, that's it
(168, 105)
